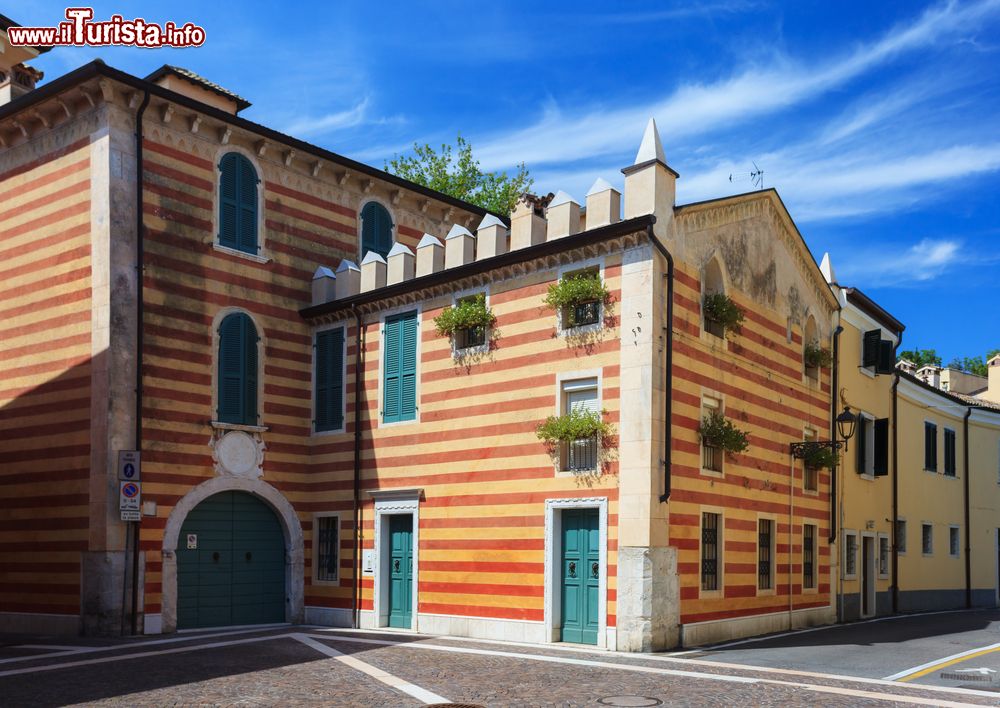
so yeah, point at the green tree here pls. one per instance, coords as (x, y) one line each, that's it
(921, 357)
(454, 171)
(974, 364)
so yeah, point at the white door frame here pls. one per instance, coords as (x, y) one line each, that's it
(389, 503)
(869, 569)
(553, 562)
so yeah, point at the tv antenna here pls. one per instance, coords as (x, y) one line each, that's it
(755, 177)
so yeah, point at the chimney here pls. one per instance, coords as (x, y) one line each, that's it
(491, 238)
(604, 204)
(16, 78)
(187, 83)
(992, 392)
(459, 247)
(372, 272)
(348, 279)
(527, 225)
(563, 216)
(323, 286)
(826, 268)
(400, 264)
(430, 256)
(650, 185)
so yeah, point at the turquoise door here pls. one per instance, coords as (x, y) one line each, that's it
(401, 570)
(230, 564)
(581, 574)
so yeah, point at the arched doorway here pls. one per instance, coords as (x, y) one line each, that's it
(230, 564)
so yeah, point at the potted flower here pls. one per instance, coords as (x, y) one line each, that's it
(578, 297)
(466, 322)
(722, 315)
(820, 457)
(579, 437)
(718, 431)
(816, 357)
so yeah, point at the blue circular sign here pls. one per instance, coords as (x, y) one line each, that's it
(129, 470)
(130, 490)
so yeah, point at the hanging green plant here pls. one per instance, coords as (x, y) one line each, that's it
(575, 425)
(573, 292)
(817, 357)
(718, 431)
(818, 457)
(720, 309)
(468, 313)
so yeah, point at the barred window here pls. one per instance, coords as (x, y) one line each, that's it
(327, 547)
(900, 535)
(765, 552)
(808, 555)
(927, 538)
(883, 556)
(850, 554)
(710, 551)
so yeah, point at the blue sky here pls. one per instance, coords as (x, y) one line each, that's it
(878, 123)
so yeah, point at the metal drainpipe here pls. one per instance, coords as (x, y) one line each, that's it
(668, 384)
(968, 548)
(357, 467)
(835, 384)
(140, 270)
(895, 495)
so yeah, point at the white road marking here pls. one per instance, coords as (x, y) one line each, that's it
(943, 660)
(892, 697)
(671, 659)
(50, 647)
(421, 694)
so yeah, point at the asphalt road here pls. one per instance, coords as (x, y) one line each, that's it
(308, 666)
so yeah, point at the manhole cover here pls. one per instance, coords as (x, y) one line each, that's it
(630, 701)
(985, 675)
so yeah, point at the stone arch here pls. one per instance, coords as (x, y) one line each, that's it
(294, 551)
(714, 278)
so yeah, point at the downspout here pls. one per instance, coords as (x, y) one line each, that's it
(357, 468)
(835, 384)
(895, 494)
(140, 274)
(668, 384)
(968, 547)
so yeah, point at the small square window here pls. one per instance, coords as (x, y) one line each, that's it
(472, 337)
(927, 539)
(953, 542)
(586, 313)
(327, 548)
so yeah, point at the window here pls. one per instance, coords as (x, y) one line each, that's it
(473, 336)
(581, 314)
(710, 551)
(927, 539)
(376, 230)
(580, 395)
(900, 535)
(399, 369)
(953, 542)
(810, 475)
(949, 452)
(329, 362)
(711, 456)
(327, 547)
(850, 554)
(883, 556)
(877, 353)
(238, 203)
(714, 284)
(810, 338)
(930, 447)
(765, 554)
(808, 555)
(872, 446)
(237, 382)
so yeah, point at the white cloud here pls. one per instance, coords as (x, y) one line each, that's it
(917, 265)
(339, 120)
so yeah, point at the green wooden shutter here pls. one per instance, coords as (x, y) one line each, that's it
(250, 364)
(881, 452)
(408, 368)
(248, 206)
(376, 230)
(862, 460)
(231, 370)
(870, 348)
(391, 371)
(228, 201)
(949, 453)
(930, 446)
(329, 379)
(886, 358)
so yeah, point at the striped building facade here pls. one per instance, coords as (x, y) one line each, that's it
(483, 518)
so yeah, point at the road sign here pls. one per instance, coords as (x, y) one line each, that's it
(128, 465)
(129, 497)
(130, 515)
(192, 541)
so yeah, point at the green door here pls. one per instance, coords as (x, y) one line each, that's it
(581, 574)
(400, 570)
(235, 572)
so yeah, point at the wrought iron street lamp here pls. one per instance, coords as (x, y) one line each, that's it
(846, 423)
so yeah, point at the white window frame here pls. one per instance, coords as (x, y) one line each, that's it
(484, 348)
(923, 551)
(569, 269)
(844, 573)
(704, 408)
(335, 582)
(312, 382)
(720, 543)
(957, 530)
(261, 256)
(560, 404)
(880, 537)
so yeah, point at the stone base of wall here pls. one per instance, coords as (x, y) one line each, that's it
(39, 623)
(929, 600)
(700, 633)
(329, 616)
(648, 607)
(101, 592)
(850, 606)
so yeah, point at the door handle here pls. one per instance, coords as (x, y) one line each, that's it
(594, 570)
(215, 557)
(249, 556)
(572, 569)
